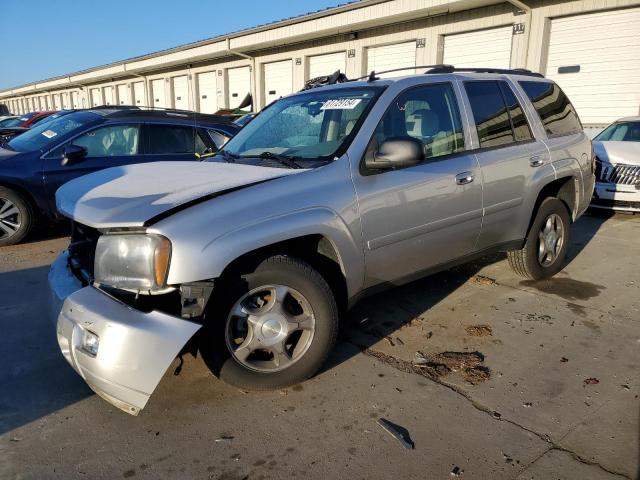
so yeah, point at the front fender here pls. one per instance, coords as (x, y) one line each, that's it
(190, 263)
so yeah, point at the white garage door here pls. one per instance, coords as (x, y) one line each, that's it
(139, 98)
(56, 101)
(320, 65)
(606, 48)
(239, 85)
(96, 98)
(389, 57)
(207, 95)
(157, 94)
(278, 80)
(123, 94)
(181, 92)
(482, 48)
(108, 95)
(47, 102)
(75, 99)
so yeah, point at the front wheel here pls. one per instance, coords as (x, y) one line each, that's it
(546, 245)
(16, 216)
(270, 328)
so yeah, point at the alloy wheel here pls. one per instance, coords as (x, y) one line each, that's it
(270, 328)
(550, 240)
(10, 218)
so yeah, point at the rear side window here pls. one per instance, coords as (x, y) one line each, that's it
(171, 139)
(556, 112)
(521, 130)
(490, 114)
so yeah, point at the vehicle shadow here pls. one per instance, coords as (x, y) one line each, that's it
(49, 231)
(379, 316)
(36, 380)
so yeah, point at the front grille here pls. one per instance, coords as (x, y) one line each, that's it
(82, 251)
(620, 174)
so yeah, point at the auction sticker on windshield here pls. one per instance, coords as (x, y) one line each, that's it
(341, 104)
(49, 133)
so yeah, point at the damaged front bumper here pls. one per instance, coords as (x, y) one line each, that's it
(133, 348)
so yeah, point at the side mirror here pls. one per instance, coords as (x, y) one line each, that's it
(396, 153)
(73, 154)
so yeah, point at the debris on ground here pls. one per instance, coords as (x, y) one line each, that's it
(390, 340)
(591, 381)
(478, 330)
(224, 438)
(483, 280)
(527, 404)
(564, 359)
(456, 471)
(399, 433)
(456, 361)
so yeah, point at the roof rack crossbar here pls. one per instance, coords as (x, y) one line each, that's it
(371, 76)
(507, 71)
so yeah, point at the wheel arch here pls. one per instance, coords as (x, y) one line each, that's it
(564, 189)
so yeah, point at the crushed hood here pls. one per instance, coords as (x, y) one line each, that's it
(131, 195)
(615, 152)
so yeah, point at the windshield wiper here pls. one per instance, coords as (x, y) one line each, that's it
(228, 156)
(278, 157)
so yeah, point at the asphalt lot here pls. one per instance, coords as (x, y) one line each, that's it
(512, 380)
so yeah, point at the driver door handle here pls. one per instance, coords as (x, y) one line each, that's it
(464, 178)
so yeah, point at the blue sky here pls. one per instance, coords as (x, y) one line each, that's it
(45, 38)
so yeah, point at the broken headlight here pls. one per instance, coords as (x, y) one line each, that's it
(132, 262)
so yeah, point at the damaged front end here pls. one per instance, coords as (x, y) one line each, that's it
(120, 342)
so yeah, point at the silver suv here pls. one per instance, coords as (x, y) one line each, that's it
(324, 197)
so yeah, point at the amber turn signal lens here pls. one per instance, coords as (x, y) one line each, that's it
(161, 259)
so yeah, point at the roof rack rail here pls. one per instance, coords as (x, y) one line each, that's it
(372, 76)
(512, 71)
(169, 112)
(335, 77)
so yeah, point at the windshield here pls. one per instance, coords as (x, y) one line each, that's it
(49, 131)
(621, 132)
(11, 122)
(311, 126)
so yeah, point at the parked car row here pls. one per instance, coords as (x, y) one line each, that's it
(324, 197)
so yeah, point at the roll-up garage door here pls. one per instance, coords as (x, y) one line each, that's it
(47, 101)
(278, 80)
(96, 98)
(65, 100)
(56, 101)
(320, 65)
(75, 99)
(139, 98)
(207, 94)
(181, 92)
(239, 85)
(389, 57)
(595, 58)
(108, 95)
(123, 94)
(157, 93)
(482, 48)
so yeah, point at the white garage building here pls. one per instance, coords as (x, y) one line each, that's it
(590, 47)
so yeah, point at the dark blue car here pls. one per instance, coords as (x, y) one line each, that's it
(74, 143)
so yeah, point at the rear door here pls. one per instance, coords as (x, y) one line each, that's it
(107, 146)
(510, 157)
(418, 217)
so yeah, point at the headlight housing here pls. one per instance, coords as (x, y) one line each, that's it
(136, 262)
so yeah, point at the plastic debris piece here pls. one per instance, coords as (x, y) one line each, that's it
(399, 433)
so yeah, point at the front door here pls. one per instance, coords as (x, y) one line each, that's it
(107, 146)
(422, 216)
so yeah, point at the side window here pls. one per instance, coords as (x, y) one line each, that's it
(521, 129)
(218, 138)
(428, 113)
(111, 141)
(171, 139)
(556, 112)
(490, 114)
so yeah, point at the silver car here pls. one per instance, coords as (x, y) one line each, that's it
(617, 150)
(326, 196)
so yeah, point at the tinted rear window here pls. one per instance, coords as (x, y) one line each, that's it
(556, 112)
(171, 139)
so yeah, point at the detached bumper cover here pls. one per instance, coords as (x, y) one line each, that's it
(135, 348)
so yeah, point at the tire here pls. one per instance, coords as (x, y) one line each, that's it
(227, 335)
(15, 210)
(526, 262)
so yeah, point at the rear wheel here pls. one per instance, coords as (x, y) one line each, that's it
(16, 217)
(273, 327)
(546, 245)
